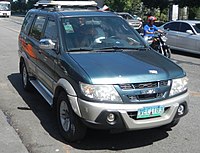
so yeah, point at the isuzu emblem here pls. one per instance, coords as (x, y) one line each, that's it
(153, 71)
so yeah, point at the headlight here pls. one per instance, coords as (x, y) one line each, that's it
(100, 92)
(178, 86)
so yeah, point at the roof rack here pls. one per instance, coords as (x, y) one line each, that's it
(66, 4)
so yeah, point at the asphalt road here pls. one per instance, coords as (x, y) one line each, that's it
(35, 124)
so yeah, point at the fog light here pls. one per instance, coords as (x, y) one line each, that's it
(111, 117)
(181, 109)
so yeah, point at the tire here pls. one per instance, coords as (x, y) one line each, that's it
(161, 51)
(25, 78)
(167, 52)
(70, 126)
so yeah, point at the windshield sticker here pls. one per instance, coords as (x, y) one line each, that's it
(69, 28)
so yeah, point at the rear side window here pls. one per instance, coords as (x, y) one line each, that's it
(37, 27)
(126, 16)
(197, 27)
(27, 23)
(185, 27)
(172, 26)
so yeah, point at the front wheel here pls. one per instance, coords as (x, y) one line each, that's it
(70, 126)
(167, 52)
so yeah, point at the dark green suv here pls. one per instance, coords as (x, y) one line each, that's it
(97, 71)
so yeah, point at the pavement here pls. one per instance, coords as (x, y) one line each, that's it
(10, 141)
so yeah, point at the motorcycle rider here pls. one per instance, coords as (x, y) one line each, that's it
(156, 42)
(150, 28)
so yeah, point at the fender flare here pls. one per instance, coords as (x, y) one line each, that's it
(71, 94)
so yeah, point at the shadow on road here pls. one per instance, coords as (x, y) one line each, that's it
(95, 139)
(186, 53)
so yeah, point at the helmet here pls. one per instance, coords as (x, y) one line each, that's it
(151, 18)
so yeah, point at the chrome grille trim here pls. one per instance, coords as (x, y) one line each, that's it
(145, 92)
(130, 86)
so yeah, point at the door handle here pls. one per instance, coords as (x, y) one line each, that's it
(45, 59)
(56, 61)
(40, 51)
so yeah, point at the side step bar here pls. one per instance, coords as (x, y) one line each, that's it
(43, 91)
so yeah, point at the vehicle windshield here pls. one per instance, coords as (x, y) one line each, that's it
(197, 27)
(4, 7)
(99, 33)
(127, 16)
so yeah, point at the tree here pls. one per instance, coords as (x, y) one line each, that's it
(131, 6)
(189, 3)
(161, 4)
(193, 5)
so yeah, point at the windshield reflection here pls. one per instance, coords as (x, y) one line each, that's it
(197, 27)
(4, 7)
(97, 33)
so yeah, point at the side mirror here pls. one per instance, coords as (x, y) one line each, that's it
(46, 44)
(189, 32)
(167, 29)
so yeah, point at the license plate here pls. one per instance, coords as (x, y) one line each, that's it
(147, 112)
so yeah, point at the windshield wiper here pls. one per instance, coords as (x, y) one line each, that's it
(80, 49)
(118, 48)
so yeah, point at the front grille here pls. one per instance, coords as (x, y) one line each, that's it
(145, 85)
(129, 86)
(126, 86)
(141, 92)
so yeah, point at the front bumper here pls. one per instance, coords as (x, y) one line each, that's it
(5, 14)
(95, 114)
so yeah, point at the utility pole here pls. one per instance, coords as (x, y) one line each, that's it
(173, 11)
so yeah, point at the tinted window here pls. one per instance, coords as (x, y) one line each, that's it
(51, 30)
(197, 27)
(172, 26)
(99, 32)
(27, 23)
(37, 27)
(185, 27)
(5, 7)
(167, 26)
(126, 16)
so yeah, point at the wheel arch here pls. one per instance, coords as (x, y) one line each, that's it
(64, 85)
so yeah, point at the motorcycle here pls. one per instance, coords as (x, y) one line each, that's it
(158, 43)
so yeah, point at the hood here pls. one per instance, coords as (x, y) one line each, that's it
(127, 67)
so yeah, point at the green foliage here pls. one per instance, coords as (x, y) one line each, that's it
(131, 6)
(194, 13)
(151, 4)
(18, 6)
(21, 7)
(193, 5)
(189, 3)
(30, 4)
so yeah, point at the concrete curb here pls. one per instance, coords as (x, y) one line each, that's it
(10, 142)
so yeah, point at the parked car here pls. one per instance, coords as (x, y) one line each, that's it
(97, 71)
(132, 20)
(183, 35)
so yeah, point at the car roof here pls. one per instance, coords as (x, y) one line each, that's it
(188, 21)
(86, 13)
(70, 8)
(123, 13)
(75, 13)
